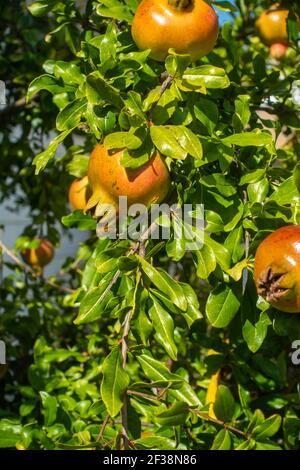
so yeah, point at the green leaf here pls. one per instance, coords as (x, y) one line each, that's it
(165, 283)
(114, 383)
(225, 6)
(296, 175)
(41, 160)
(222, 306)
(234, 243)
(224, 406)
(111, 9)
(192, 313)
(177, 63)
(69, 72)
(219, 181)
(93, 303)
(291, 430)
(156, 443)
(164, 328)
(206, 262)
(188, 141)
(41, 8)
(49, 83)
(80, 221)
(254, 335)
(257, 192)
(164, 139)
(208, 75)
(78, 166)
(120, 140)
(156, 371)
(176, 415)
(236, 272)
(268, 428)
(220, 251)
(70, 116)
(222, 441)
(255, 138)
(206, 111)
(252, 176)
(50, 408)
(10, 433)
(286, 192)
(98, 91)
(242, 112)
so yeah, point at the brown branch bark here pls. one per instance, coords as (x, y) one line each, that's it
(218, 422)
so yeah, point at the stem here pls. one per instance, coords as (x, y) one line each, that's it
(28, 269)
(104, 424)
(180, 4)
(247, 245)
(124, 414)
(218, 422)
(165, 84)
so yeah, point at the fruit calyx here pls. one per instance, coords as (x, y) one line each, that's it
(269, 286)
(180, 4)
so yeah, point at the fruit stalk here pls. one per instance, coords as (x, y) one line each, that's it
(180, 4)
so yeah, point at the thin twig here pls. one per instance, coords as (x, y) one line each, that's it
(29, 270)
(102, 429)
(218, 422)
(124, 411)
(165, 84)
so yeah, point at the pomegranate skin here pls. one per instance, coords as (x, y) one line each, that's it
(277, 269)
(159, 25)
(109, 180)
(41, 256)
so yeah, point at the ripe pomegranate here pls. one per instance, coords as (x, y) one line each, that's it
(40, 256)
(277, 269)
(79, 193)
(278, 50)
(272, 26)
(147, 185)
(188, 26)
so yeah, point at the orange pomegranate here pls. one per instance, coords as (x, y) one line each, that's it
(109, 179)
(272, 26)
(40, 256)
(188, 26)
(277, 269)
(79, 193)
(278, 50)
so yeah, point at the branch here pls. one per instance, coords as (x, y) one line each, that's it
(218, 422)
(124, 414)
(165, 84)
(102, 429)
(29, 270)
